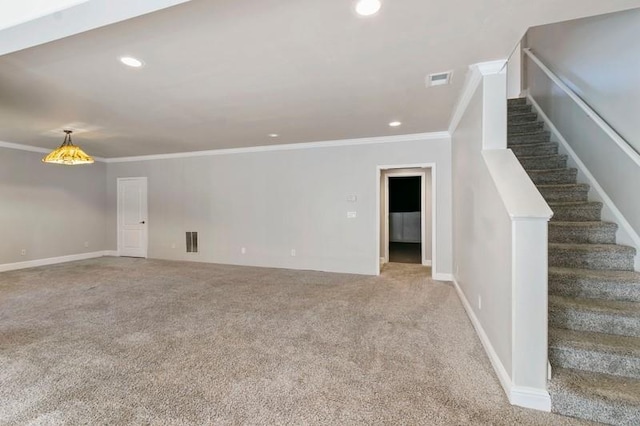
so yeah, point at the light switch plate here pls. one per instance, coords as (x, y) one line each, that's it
(351, 215)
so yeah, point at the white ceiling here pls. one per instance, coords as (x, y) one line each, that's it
(225, 74)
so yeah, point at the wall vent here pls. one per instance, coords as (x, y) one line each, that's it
(439, 79)
(192, 242)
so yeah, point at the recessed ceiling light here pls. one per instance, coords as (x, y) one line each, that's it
(368, 7)
(273, 135)
(395, 124)
(131, 61)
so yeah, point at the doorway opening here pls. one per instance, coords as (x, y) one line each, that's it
(405, 212)
(407, 215)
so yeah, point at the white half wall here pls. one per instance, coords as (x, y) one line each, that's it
(273, 202)
(50, 211)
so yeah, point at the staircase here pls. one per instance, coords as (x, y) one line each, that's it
(594, 293)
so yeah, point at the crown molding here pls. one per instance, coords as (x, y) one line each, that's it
(288, 147)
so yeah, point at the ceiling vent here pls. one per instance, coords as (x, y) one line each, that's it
(439, 79)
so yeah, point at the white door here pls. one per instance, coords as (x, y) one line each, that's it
(132, 217)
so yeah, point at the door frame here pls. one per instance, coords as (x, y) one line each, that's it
(385, 237)
(119, 218)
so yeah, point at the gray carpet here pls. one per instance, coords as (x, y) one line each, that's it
(131, 341)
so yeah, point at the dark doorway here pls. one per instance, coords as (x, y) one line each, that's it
(405, 215)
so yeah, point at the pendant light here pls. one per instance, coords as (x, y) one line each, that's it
(68, 154)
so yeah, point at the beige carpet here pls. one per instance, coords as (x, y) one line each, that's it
(129, 341)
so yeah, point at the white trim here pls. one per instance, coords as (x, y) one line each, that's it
(490, 67)
(251, 149)
(442, 277)
(381, 260)
(423, 177)
(472, 81)
(51, 261)
(624, 145)
(112, 253)
(426, 262)
(536, 399)
(615, 212)
(30, 148)
(288, 147)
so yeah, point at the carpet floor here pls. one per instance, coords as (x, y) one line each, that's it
(133, 341)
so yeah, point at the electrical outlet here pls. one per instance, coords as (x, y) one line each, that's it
(23, 252)
(293, 252)
(173, 245)
(480, 302)
(243, 250)
(86, 243)
(351, 215)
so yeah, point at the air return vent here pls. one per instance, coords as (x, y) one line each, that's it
(192, 242)
(439, 79)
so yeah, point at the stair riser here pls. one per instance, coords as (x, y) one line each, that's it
(523, 128)
(621, 413)
(585, 213)
(590, 260)
(564, 195)
(598, 322)
(540, 137)
(565, 234)
(589, 288)
(600, 362)
(544, 163)
(530, 117)
(559, 177)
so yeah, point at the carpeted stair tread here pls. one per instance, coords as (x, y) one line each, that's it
(587, 232)
(599, 397)
(543, 148)
(593, 256)
(525, 127)
(576, 211)
(595, 315)
(594, 293)
(543, 162)
(600, 352)
(516, 101)
(528, 138)
(553, 176)
(595, 284)
(522, 117)
(518, 109)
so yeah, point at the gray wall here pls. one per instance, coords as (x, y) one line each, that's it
(275, 201)
(481, 234)
(599, 58)
(49, 210)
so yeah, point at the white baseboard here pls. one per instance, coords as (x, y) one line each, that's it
(113, 253)
(426, 262)
(442, 277)
(51, 261)
(626, 234)
(537, 399)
